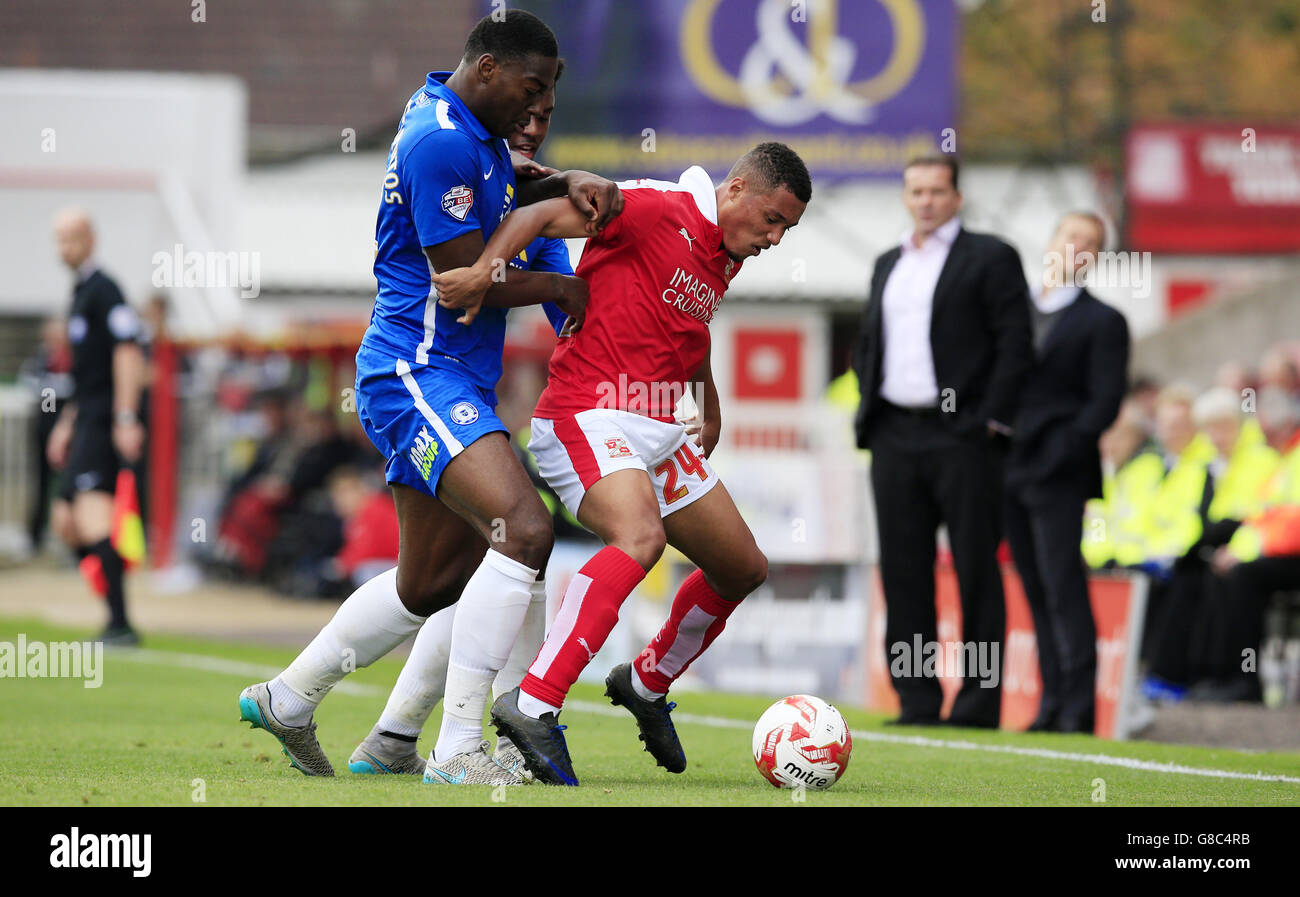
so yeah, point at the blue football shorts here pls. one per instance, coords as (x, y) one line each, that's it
(420, 417)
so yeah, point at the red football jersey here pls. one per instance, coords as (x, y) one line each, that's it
(657, 274)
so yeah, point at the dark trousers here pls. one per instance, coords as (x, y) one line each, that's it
(923, 475)
(1188, 624)
(1245, 600)
(1045, 538)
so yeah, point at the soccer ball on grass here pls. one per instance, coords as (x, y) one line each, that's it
(801, 741)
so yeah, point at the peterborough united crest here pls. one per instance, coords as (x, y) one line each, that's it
(464, 413)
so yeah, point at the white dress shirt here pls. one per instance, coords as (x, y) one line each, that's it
(907, 367)
(1054, 299)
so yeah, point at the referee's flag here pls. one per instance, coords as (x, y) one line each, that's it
(128, 526)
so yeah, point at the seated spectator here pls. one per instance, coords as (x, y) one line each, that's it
(1261, 558)
(1132, 469)
(370, 533)
(1277, 371)
(1233, 484)
(249, 514)
(1168, 523)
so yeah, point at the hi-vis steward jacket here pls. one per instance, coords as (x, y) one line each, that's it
(1169, 522)
(1240, 488)
(1110, 523)
(1274, 530)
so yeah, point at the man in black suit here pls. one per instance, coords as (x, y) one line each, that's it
(943, 350)
(1074, 394)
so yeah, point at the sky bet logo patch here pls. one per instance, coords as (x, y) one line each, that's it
(457, 202)
(423, 452)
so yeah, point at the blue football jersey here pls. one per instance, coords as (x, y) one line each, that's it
(447, 176)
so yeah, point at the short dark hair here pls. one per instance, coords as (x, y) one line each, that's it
(559, 69)
(516, 36)
(945, 160)
(774, 165)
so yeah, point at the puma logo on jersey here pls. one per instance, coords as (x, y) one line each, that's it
(591, 655)
(690, 241)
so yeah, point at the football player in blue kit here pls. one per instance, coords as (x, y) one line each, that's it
(390, 748)
(425, 396)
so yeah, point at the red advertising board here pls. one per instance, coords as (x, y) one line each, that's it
(768, 364)
(1213, 188)
(1117, 606)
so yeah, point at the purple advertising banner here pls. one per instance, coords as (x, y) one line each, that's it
(856, 86)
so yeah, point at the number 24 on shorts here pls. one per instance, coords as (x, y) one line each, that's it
(689, 463)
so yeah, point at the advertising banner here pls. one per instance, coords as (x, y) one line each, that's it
(1226, 189)
(652, 88)
(1118, 604)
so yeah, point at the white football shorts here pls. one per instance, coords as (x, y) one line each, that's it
(573, 453)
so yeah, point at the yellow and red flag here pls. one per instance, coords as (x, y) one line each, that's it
(128, 525)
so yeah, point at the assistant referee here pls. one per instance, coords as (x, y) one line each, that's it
(100, 429)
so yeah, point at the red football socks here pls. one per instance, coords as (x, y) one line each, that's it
(586, 617)
(698, 617)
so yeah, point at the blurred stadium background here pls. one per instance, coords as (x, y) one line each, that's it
(231, 155)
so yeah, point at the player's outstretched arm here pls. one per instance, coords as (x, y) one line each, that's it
(597, 198)
(523, 287)
(465, 287)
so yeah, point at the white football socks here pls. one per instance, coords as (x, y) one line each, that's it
(490, 613)
(529, 641)
(372, 622)
(423, 678)
(642, 692)
(535, 707)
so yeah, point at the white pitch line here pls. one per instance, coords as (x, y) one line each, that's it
(211, 664)
(719, 722)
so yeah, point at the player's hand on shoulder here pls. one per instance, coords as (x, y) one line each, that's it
(571, 296)
(464, 288)
(597, 198)
(527, 169)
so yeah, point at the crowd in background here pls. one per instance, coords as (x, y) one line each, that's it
(303, 507)
(1202, 492)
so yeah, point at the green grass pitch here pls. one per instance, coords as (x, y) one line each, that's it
(162, 730)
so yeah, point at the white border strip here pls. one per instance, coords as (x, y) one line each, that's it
(210, 664)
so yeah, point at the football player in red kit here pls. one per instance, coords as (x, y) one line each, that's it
(605, 438)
